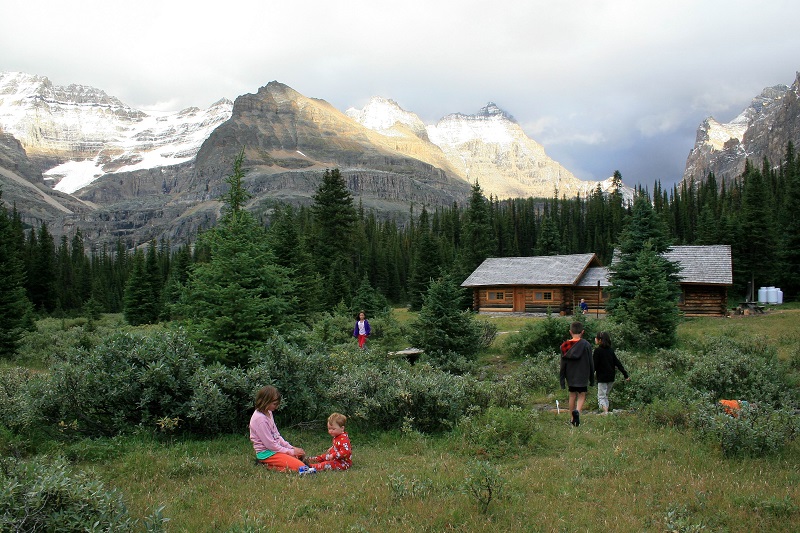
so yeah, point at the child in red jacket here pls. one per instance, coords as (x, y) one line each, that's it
(338, 455)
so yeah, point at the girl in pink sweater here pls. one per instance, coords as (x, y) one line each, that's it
(271, 449)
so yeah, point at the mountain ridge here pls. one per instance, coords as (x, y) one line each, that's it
(139, 176)
(761, 130)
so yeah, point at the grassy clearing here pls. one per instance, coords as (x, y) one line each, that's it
(615, 472)
(619, 473)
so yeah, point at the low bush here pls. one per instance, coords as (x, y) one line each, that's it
(756, 431)
(395, 395)
(497, 432)
(650, 382)
(127, 380)
(742, 369)
(47, 496)
(539, 336)
(536, 374)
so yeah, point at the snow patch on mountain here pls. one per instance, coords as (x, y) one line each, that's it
(382, 114)
(101, 133)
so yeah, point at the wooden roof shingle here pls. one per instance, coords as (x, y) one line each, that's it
(541, 270)
(706, 265)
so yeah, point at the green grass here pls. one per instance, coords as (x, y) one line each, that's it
(780, 327)
(615, 472)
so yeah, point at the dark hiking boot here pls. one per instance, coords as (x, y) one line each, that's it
(576, 418)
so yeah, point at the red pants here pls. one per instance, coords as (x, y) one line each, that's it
(362, 340)
(335, 464)
(282, 462)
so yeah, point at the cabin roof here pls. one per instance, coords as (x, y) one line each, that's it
(701, 265)
(541, 270)
(707, 265)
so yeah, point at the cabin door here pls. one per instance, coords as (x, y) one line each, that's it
(519, 300)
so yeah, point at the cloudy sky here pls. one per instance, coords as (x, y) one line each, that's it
(603, 85)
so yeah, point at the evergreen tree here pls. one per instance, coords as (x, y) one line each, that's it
(15, 308)
(425, 265)
(641, 263)
(755, 246)
(333, 243)
(236, 300)
(790, 236)
(652, 311)
(442, 328)
(42, 270)
(137, 297)
(292, 253)
(478, 236)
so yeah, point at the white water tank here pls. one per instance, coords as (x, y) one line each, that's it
(780, 297)
(772, 295)
(762, 295)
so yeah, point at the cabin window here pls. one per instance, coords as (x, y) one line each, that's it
(543, 295)
(497, 295)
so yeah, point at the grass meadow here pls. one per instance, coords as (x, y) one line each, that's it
(614, 473)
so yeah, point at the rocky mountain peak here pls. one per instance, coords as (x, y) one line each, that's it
(761, 130)
(492, 110)
(382, 114)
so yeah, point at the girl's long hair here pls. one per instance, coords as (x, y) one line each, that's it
(266, 396)
(604, 338)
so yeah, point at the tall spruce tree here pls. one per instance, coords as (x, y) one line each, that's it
(15, 308)
(790, 237)
(333, 243)
(425, 264)
(478, 238)
(640, 273)
(240, 296)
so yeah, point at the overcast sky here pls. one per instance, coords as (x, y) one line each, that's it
(602, 85)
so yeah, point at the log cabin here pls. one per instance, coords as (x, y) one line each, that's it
(540, 284)
(557, 283)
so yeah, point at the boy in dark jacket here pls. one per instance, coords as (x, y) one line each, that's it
(577, 370)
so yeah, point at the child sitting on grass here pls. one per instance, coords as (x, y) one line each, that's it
(271, 449)
(338, 455)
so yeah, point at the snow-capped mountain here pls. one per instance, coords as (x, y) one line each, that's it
(762, 130)
(489, 147)
(78, 134)
(384, 115)
(138, 176)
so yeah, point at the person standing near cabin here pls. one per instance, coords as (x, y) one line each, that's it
(606, 365)
(584, 307)
(362, 330)
(577, 370)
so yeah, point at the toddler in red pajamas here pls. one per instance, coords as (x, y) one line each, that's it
(338, 456)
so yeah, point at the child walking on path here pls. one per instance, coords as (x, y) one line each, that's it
(338, 456)
(577, 370)
(362, 330)
(606, 364)
(271, 449)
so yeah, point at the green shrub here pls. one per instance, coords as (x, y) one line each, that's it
(302, 378)
(38, 496)
(393, 395)
(743, 369)
(129, 379)
(672, 412)
(650, 382)
(757, 431)
(539, 336)
(536, 374)
(497, 432)
(222, 399)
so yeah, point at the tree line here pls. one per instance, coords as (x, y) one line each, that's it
(334, 251)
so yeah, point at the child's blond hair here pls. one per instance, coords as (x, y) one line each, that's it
(338, 419)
